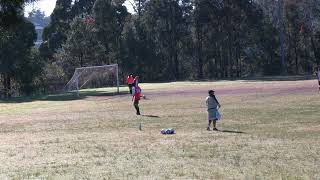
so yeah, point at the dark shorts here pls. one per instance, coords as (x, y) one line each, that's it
(136, 102)
(212, 114)
(130, 85)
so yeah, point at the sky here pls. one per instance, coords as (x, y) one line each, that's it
(48, 5)
(44, 5)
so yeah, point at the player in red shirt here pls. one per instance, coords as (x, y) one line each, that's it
(130, 82)
(136, 98)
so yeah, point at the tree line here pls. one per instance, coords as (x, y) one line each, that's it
(166, 40)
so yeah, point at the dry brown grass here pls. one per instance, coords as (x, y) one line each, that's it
(98, 137)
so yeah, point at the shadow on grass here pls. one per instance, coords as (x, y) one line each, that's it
(68, 96)
(152, 116)
(230, 131)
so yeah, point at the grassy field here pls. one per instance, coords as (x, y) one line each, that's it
(269, 130)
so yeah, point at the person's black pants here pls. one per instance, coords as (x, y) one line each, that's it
(130, 88)
(136, 106)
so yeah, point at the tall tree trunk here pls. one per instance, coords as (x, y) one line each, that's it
(226, 60)
(316, 53)
(168, 43)
(216, 74)
(81, 60)
(174, 42)
(199, 53)
(296, 58)
(289, 50)
(230, 58)
(306, 54)
(7, 85)
(4, 84)
(238, 63)
(176, 64)
(240, 66)
(221, 62)
(281, 36)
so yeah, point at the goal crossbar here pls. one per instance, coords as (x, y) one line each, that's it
(92, 67)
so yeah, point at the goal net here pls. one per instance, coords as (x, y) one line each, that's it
(94, 77)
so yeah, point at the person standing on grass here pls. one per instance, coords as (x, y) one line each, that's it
(130, 82)
(212, 108)
(318, 77)
(136, 91)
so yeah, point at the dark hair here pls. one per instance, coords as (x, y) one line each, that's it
(210, 91)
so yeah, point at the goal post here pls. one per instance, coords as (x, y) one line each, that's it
(94, 77)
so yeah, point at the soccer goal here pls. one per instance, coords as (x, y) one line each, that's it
(94, 77)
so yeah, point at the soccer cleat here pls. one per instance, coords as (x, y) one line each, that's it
(208, 129)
